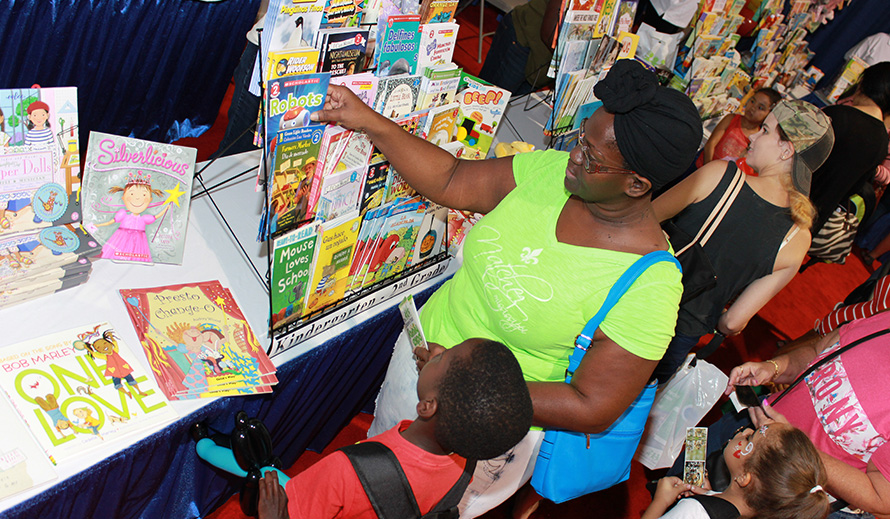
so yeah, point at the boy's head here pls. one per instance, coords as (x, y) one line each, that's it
(760, 104)
(478, 397)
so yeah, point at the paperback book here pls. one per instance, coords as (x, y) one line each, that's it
(293, 254)
(398, 45)
(136, 196)
(80, 388)
(198, 342)
(292, 62)
(397, 95)
(336, 244)
(26, 256)
(395, 242)
(343, 51)
(343, 13)
(437, 11)
(293, 178)
(437, 43)
(481, 109)
(289, 101)
(363, 85)
(39, 159)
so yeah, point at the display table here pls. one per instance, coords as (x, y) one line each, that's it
(323, 381)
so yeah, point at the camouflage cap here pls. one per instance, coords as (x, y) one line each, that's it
(810, 131)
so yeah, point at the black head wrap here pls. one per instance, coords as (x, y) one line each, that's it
(657, 129)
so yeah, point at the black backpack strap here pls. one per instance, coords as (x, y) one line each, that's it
(447, 506)
(717, 508)
(383, 479)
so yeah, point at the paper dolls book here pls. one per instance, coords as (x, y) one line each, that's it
(79, 388)
(27, 255)
(136, 196)
(197, 340)
(23, 462)
(39, 159)
(336, 244)
(293, 254)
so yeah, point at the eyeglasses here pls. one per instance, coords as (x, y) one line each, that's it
(598, 167)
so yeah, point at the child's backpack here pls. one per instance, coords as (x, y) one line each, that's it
(388, 489)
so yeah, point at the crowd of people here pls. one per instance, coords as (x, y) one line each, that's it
(560, 228)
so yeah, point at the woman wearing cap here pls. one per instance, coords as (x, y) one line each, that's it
(560, 229)
(758, 246)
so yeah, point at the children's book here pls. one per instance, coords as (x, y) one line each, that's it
(136, 196)
(440, 124)
(606, 21)
(437, 11)
(398, 45)
(397, 95)
(343, 50)
(438, 86)
(293, 178)
(285, 63)
(41, 287)
(336, 244)
(293, 254)
(395, 241)
(79, 388)
(289, 101)
(197, 341)
(23, 463)
(28, 255)
(431, 235)
(372, 221)
(628, 42)
(396, 187)
(39, 159)
(363, 85)
(437, 43)
(374, 191)
(411, 323)
(340, 194)
(288, 25)
(343, 13)
(481, 109)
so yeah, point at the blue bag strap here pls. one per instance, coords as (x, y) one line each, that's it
(582, 342)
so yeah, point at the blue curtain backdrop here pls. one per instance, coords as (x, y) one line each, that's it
(152, 69)
(851, 24)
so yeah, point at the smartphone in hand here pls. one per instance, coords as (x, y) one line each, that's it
(744, 397)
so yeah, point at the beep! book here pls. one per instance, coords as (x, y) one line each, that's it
(39, 158)
(80, 388)
(197, 341)
(136, 197)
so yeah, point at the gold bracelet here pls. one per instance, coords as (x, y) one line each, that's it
(775, 365)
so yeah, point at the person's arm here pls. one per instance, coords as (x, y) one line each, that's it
(715, 137)
(761, 290)
(786, 368)
(433, 172)
(608, 380)
(694, 188)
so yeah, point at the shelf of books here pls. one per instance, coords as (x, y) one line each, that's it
(344, 231)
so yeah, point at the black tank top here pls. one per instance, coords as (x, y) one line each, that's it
(742, 249)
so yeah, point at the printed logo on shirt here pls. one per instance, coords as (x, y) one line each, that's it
(838, 409)
(509, 284)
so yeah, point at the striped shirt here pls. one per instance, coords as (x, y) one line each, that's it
(879, 302)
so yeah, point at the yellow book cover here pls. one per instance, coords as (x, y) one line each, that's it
(291, 62)
(336, 243)
(604, 24)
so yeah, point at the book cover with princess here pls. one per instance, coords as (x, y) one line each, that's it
(23, 463)
(336, 243)
(136, 196)
(198, 342)
(81, 388)
(39, 158)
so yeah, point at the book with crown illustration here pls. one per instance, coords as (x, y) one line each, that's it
(80, 388)
(198, 342)
(39, 159)
(136, 196)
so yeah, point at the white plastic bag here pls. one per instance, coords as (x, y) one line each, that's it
(680, 403)
(657, 48)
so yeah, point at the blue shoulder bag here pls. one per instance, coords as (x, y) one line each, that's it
(572, 464)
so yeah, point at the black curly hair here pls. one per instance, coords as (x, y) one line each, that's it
(484, 407)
